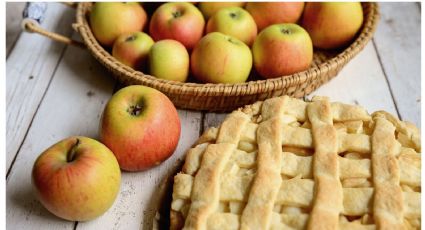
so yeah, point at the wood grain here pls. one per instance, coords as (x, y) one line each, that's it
(361, 82)
(29, 69)
(13, 25)
(398, 44)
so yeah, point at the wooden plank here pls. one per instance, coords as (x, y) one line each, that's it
(13, 23)
(398, 42)
(29, 69)
(213, 120)
(72, 106)
(138, 200)
(361, 82)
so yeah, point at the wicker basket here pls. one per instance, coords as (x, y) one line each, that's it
(227, 97)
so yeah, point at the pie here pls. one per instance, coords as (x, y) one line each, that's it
(285, 163)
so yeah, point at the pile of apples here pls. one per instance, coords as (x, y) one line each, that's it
(223, 42)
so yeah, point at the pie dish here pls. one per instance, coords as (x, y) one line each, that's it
(285, 163)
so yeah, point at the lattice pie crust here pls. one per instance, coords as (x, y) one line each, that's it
(289, 164)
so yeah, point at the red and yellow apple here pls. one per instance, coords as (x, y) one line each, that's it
(234, 21)
(77, 179)
(220, 58)
(108, 20)
(282, 49)
(133, 49)
(180, 21)
(169, 59)
(269, 13)
(332, 24)
(208, 9)
(141, 127)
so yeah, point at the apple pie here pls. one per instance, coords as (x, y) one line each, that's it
(290, 164)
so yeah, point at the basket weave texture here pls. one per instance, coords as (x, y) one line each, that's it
(227, 97)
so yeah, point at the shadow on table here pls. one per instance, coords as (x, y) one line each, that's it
(25, 198)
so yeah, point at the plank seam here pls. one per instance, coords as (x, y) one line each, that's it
(35, 113)
(386, 78)
(202, 124)
(12, 47)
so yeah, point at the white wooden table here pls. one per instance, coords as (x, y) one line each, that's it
(55, 91)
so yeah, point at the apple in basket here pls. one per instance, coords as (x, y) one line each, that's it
(220, 58)
(332, 24)
(108, 20)
(77, 178)
(169, 59)
(141, 127)
(208, 9)
(282, 49)
(180, 21)
(269, 13)
(133, 49)
(234, 21)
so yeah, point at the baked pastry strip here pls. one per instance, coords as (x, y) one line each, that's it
(297, 194)
(388, 197)
(258, 211)
(328, 201)
(206, 190)
(206, 186)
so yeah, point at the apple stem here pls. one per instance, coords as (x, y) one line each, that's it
(71, 153)
(233, 15)
(135, 110)
(177, 14)
(285, 31)
(130, 38)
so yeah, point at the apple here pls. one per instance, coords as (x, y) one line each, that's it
(108, 20)
(282, 49)
(234, 21)
(180, 21)
(169, 59)
(208, 9)
(141, 127)
(133, 49)
(332, 24)
(269, 13)
(77, 178)
(220, 58)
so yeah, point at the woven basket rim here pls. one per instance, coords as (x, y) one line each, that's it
(210, 89)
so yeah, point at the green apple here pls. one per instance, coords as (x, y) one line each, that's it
(108, 20)
(141, 126)
(208, 9)
(169, 59)
(220, 58)
(234, 21)
(77, 179)
(332, 24)
(180, 21)
(133, 49)
(282, 49)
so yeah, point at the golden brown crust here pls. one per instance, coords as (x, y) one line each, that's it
(388, 199)
(296, 164)
(176, 220)
(328, 188)
(258, 211)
